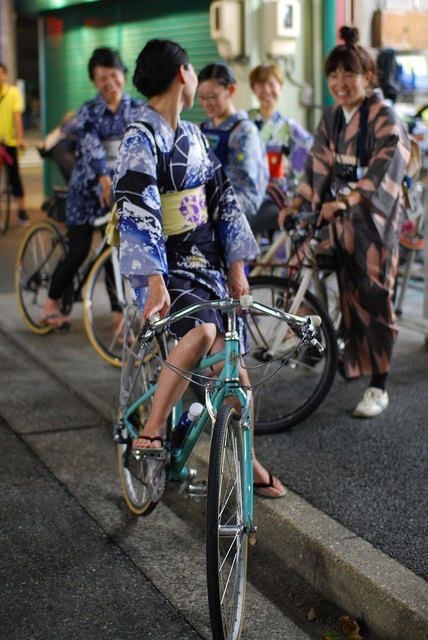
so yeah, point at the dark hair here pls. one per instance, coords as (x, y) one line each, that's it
(157, 65)
(351, 56)
(105, 57)
(218, 71)
(3, 66)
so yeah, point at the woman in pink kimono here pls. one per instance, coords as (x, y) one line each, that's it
(356, 168)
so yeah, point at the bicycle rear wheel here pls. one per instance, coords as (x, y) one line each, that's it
(140, 370)
(301, 376)
(99, 296)
(5, 200)
(40, 252)
(226, 537)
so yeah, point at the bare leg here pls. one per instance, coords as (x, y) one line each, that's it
(191, 348)
(171, 386)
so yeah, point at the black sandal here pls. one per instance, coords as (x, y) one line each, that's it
(260, 486)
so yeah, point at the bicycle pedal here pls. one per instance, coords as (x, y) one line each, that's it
(149, 454)
(197, 490)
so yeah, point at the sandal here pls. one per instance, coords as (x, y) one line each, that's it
(56, 321)
(148, 451)
(262, 488)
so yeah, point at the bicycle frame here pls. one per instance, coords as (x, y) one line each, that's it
(227, 385)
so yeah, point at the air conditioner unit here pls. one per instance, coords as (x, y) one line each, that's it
(226, 27)
(282, 27)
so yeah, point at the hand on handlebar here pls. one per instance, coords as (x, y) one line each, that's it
(330, 210)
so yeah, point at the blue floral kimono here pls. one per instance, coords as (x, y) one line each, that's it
(98, 132)
(284, 135)
(154, 163)
(242, 154)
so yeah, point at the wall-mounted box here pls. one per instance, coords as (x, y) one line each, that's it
(226, 27)
(282, 27)
(400, 29)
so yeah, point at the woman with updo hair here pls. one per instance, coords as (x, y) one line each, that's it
(353, 177)
(183, 236)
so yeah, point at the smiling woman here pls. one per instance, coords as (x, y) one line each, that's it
(100, 125)
(356, 165)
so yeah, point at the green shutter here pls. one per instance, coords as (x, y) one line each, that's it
(70, 36)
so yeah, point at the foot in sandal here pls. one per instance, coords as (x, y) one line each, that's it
(272, 489)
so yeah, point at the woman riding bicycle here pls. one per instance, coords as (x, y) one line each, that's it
(181, 228)
(99, 127)
(357, 165)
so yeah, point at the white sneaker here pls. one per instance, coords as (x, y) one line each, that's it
(373, 403)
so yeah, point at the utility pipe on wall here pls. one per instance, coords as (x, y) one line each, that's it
(328, 39)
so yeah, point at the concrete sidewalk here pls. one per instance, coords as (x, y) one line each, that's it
(347, 569)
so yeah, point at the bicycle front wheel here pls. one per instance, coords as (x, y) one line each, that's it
(226, 537)
(4, 202)
(299, 378)
(40, 252)
(101, 300)
(140, 370)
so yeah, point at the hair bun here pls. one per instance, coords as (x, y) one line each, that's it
(350, 35)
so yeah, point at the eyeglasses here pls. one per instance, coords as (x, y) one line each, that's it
(212, 97)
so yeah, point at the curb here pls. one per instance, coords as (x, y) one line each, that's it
(343, 567)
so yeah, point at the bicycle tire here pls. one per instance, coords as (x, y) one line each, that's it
(226, 534)
(5, 205)
(106, 341)
(302, 383)
(38, 255)
(141, 367)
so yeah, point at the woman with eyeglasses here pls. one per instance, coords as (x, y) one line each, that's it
(234, 139)
(353, 178)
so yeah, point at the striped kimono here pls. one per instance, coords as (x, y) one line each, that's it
(368, 153)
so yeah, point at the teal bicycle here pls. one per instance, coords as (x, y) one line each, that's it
(230, 515)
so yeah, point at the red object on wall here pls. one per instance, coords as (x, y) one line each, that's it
(342, 15)
(54, 26)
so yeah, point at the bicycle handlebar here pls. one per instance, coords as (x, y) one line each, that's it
(306, 323)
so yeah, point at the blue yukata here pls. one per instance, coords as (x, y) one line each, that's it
(240, 149)
(178, 215)
(99, 132)
(283, 136)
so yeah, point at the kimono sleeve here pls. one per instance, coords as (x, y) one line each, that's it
(91, 148)
(142, 245)
(247, 167)
(316, 179)
(233, 230)
(381, 184)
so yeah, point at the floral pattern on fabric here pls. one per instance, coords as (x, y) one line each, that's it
(95, 126)
(153, 160)
(279, 132)
(245, 165)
